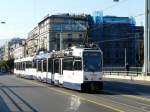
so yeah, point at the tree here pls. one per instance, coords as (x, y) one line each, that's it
(3, 65)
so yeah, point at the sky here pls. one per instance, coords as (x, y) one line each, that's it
(21, 16)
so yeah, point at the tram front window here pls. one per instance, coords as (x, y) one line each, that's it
(92, 61)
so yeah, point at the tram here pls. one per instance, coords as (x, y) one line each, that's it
(75, 68)
(24, 67)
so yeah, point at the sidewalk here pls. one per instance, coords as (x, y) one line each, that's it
(129, 77)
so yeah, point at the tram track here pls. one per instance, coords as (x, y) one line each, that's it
(15, 100)
(119, 103)
(111, 99)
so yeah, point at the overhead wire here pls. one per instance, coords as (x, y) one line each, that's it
(139, 15)
(111, 40)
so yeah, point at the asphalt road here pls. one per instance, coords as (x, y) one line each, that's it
(21, 95)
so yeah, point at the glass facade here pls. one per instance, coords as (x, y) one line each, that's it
(117, 38)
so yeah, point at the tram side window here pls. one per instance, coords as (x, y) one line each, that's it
(27, 64)
(34, 64)
(20, 66)
(50, 65)
(16, 66)
(39, 66)
(23, 66)
(67, 64)
(77, 65)
(30, 64)
(44, 65)
(56, 66)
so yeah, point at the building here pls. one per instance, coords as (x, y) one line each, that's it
(140, 45)
(19, 51)
(6, 55)
(9, 48)
(31, 43)
(57, 31)
(118, 37)
(13, 44)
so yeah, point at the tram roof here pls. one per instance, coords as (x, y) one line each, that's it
(24, 59)
(42, 56)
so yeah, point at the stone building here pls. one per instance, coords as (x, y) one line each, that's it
(31, 43)
(57, 31)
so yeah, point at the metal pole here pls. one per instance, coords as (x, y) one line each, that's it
(146, 39)
(60, 40)
(148, 35)
(125, 57)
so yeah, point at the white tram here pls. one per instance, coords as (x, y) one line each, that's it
(74, 68)
(24, 67)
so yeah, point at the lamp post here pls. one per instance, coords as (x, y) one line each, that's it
(146, 39)
(61, 38)
(125, 57)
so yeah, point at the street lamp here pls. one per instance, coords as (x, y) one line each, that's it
(3, 22)
(116, 0)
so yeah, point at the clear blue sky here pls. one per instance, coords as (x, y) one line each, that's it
(21, 16)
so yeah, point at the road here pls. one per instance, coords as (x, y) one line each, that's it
(21, 95)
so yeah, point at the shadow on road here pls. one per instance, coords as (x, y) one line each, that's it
(2, 74)
(111, 87)
(3, 106)
(18, 86)
(125, 88)
(11, 95)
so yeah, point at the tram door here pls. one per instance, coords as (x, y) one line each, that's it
(50, 70)
(61, 72)
(58, 78)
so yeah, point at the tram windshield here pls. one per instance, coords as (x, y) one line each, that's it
(92, 61)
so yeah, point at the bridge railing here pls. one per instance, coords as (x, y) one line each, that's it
(133, 71)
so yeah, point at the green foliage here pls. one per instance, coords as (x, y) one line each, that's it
(3, 64)
(7, 65)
